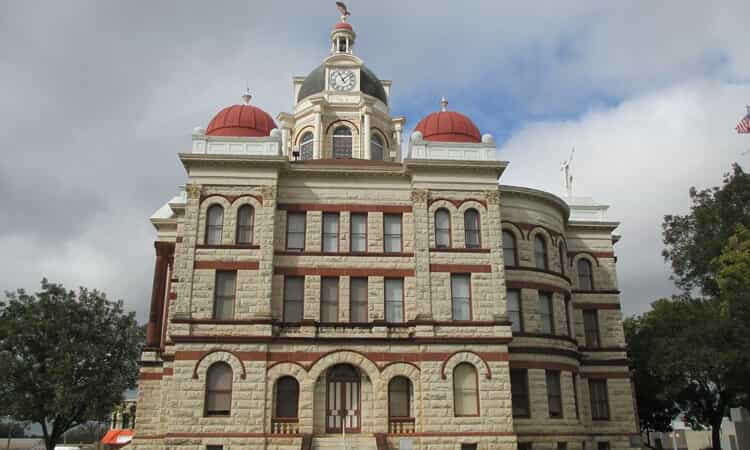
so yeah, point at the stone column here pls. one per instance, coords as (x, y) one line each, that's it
(422, 253)
(318, 138)
(366, 126)
(285, 143)
(265, 262)
(164, 251)
(494, 242)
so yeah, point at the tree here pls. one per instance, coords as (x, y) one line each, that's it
(65, 358)
(695, 241)
(655, 409)
(684, 350)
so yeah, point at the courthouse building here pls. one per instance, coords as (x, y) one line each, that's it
(316, 289)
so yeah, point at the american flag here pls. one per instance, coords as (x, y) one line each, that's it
(744, 126)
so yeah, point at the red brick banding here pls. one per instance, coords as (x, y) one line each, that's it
(232, 198)
(227, 265)
(343, 271)
(589, 305)
(461, 268)
(355, 208)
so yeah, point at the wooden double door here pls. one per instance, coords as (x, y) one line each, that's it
(343, 399)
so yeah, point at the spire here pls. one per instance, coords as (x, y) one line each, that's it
(246, 97)
(443, 104)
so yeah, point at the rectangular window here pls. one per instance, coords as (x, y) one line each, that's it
(567, 318)
(224, 292)
(524, 446)
(575, 394)
(545, 313)
(591, 327)
(294, 298)
(358, 300)
(515, 314)
(468, 446)
(392, 233)
(295, 232)
(461, 296)
(358, 233)
(599, 399)
(394, 299)
(214, 447)
(330, 232)
(603, 445)
(562, 446)
(554, 393)
(519, 389)
(329, 299)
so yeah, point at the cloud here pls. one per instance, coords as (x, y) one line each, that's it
(99, 97)
(641, 157)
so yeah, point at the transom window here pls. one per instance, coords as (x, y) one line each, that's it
(306, 146)
(465, 390)
(245, 222)
(358, 233)
(514, 309)
(342, 143)
(287, 397)
(509, 249)
(461, 296)
(394, 299)
(218, 389)
(399, 396)
(585, 278)
(540, 252)
(471, 228)
(214, 224)
(330, 232)
(377, 148)
(442, 228)
(224, 293)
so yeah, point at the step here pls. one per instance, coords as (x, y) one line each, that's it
(339, 443)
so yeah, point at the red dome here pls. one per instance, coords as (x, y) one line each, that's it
(241, 121)
(343, 26)
(448, 126)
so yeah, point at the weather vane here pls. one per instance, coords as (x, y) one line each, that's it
(343, 10)
(567, 177)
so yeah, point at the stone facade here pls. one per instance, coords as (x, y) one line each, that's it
(426, 338)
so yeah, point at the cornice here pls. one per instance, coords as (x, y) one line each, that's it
(217, 160)
(537, 194)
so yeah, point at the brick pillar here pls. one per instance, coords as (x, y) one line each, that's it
(164, 252)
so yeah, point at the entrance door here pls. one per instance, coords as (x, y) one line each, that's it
(343, 399)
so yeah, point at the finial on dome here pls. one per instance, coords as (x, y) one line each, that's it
(443, 104)
(247, 96)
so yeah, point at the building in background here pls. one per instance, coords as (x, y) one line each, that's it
(735, 430)
(311, 286)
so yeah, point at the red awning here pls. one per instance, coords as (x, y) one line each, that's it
(118, 437)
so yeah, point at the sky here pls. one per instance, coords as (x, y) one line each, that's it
(97, 98)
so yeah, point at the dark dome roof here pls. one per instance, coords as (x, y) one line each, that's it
(316, 82)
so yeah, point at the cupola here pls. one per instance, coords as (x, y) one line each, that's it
(448, 126)
(243, 120)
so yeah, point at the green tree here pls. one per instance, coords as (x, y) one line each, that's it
(694, 242)
(684, 348)
(65, 358)
(734, 275)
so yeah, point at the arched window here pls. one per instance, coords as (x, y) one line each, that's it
(561, 251)
(585, 275)
(399, 397)
(509, 248)
(214, 224)
(376, 148)
(219, 389)
(245, 222)
(306, 146)
(442, 228)
(342, 143)
(465, 390)
(540, 252)
(287, 397)
(471, 228)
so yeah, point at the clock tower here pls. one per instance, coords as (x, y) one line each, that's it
(341, 109)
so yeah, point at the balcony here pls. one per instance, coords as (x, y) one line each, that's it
(401, 425)
(284, 425)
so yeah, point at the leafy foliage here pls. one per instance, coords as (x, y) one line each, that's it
(65, 358)
(695, 241)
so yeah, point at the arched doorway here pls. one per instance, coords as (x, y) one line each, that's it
(343, 399)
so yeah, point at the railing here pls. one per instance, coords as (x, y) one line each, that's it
(284, 425)
(401, 425)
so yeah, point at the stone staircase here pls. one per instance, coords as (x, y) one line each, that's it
(352, 442)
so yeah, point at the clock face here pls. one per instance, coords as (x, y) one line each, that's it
(342, 80)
